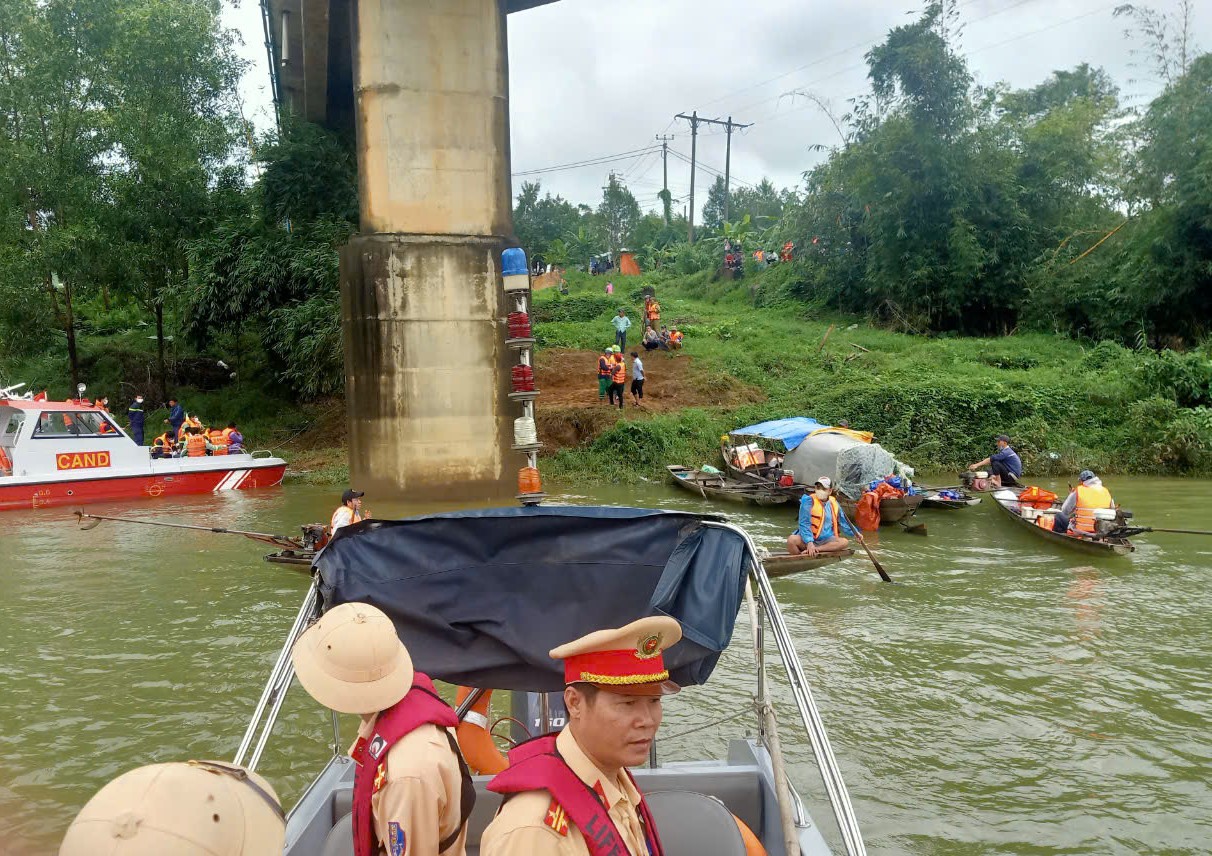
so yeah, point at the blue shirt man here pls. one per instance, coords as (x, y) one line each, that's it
(1004, 464)
(821, 523)
(621, 325)
(176, 416)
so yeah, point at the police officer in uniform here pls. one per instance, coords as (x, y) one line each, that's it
(198, 808)
(412, 791)
(571, 793)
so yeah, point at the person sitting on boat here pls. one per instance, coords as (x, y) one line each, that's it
(1004, 465)
(235, 440)
(197, 808)
(350, 511)
(822, 524)
(412, 791)
(163, 446)
(563, 788)
(1077, 511)
(195, 442)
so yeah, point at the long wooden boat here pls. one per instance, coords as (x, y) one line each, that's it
(784, 564)
(718, 486)
(931, 499)
(1007, 500)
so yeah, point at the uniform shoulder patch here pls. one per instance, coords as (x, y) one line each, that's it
(556, 818)
(396, 842)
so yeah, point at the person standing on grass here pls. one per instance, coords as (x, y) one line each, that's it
(652, 312)
(621, 325)
(637, 378)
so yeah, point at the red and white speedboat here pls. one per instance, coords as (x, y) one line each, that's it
(72, 452)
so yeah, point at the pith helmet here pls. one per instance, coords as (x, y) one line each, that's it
(199, 808)
(352, 661)
(628, 660)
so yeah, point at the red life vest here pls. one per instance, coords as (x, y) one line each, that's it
(536, 765)
(421, 706)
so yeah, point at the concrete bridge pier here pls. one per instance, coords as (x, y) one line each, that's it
(427, 372)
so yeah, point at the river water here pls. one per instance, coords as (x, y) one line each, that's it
(1003, 697)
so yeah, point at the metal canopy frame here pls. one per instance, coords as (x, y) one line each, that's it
(762, 607)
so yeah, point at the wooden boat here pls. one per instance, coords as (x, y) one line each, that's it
(1007, 500)
(892, 511)
(931, 499)
(784, 564)
(292, 557)
(718, 486)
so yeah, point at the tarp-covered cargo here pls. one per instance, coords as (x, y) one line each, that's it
(480, 597)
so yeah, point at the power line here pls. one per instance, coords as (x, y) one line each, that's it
(588, 162)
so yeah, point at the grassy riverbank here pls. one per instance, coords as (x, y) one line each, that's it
(751, 353)
(935, 402)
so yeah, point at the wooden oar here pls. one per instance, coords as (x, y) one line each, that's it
(91, 521)
(879, 569)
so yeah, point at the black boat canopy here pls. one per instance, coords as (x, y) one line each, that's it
(480, 597)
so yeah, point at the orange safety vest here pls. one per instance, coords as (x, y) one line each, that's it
(355, 518)
(162, 440)
(676, 337)
(1088, 499)
(227, 432)
(620, 372)
(604, 369)
(195, 446)
(218, 440)
(654, 311)
(817, 520)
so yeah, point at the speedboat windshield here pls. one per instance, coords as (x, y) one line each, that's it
(480, 597)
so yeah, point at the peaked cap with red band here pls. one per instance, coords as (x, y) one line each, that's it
(627, 660)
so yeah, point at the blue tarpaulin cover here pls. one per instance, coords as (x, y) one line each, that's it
(791, 431)
(480, 597)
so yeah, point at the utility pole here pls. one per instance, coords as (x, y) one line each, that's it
(664, 141)
(694, 119)
(730, 126)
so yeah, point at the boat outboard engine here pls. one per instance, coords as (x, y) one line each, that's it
(1107, 520)
(315, 536)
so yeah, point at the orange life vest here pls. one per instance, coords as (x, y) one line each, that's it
(676, 336)
(620, 372)
(654, 311)
(226, 434)
(218, 440)
(163, 440)
(195, 446)
(604, 369)
(817, 520)
(1088, 499)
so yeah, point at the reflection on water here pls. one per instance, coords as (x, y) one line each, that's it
(1003, 697)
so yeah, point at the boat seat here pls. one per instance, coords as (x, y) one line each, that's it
(697, 824)
(340, 838)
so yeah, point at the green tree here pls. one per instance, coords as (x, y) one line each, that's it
(538, 221)
(619, 214)
(713, 208)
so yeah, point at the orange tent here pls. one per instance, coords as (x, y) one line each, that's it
(628, 264)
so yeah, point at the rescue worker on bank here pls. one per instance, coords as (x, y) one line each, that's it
(412, 792)
(1077, 511)
(571, 793)
(349, 511)
(821, 524)
(618, 379)
(605, 370)
(198, 808)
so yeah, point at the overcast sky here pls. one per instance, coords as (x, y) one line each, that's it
(590, 79)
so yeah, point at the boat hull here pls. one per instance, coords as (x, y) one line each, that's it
(143, 485)
(782, 565)
(711, 486)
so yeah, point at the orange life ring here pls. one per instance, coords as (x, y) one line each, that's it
(753, 846)
(479, 750)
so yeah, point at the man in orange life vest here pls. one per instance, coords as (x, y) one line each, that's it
(821, 523)
(571, 793)
(1077, 511)
(412, 792)
(605, 370)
